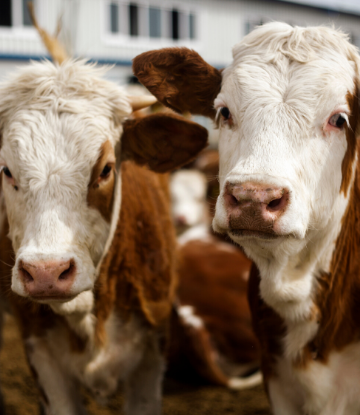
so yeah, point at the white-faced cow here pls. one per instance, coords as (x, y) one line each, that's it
(287, 108)
(90, 261)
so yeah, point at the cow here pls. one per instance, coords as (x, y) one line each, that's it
(287, 108)
(87, 255)
(211, 327)
(189, 208)
(194, 190)
(211, 324)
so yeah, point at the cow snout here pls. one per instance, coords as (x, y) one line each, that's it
(48, 279)
(255, 208)
(180, 220)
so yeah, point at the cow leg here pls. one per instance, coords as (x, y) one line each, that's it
(143, 386)
(284, 398)
(58, 393)
(2, 315)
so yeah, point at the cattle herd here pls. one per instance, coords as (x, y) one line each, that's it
(110, 283)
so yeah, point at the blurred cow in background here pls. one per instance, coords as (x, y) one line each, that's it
(211, 332)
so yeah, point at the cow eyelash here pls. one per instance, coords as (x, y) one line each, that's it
(7, 172)
(106, 171)
(223, 114)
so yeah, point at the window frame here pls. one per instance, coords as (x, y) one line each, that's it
(17, 28)
(125, 39)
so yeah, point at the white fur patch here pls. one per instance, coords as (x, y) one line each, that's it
(186, 312)
(188, 196)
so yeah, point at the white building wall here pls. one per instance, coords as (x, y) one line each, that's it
(220, 24)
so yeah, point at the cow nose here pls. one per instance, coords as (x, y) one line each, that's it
(275, 199)
(181, 220)
(48, 279)
(255, 206)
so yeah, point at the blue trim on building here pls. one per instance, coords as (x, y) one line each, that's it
(15, 57)
(101, 61)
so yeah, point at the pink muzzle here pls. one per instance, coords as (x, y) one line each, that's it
(254, 209)
(48, 279)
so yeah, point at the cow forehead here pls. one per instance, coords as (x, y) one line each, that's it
(301, 88)
(270, 71)
(56, 123)
(54, 150)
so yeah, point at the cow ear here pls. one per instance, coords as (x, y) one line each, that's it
(180, 79)
(162, 141)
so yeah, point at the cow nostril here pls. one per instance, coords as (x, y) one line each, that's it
(277, 204)
(26, 275)
(274, 203)
(67, 273)
(231, 200)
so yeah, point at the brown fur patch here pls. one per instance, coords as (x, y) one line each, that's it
(213, 280)
(138, 273)
(339, 291)
(347, 163)
(163, 142)
(180, 79)
(101, 192)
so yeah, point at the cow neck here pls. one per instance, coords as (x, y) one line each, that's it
(79, 313)
(115, 215)
(339, 289)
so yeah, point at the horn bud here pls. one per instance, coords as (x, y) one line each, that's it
(139, 102)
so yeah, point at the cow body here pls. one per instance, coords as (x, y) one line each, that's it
(288, 109)
(87, 244)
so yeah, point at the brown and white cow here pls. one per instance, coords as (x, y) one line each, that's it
(211, 325)
(89, 264)
(287, 108)
(212, 329)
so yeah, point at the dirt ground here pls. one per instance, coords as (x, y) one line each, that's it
(179, 399)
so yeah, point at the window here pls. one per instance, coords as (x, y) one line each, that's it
(5, 14)
(250, 25)
(153, 21)
(26, 19)
(15, 13)
(192, 26)
(114, 18)
(134, 20)
(175, 24)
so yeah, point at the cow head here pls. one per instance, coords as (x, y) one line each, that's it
(188, 189)
(64, 132)
(286, 108)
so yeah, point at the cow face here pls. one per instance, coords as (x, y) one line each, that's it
(287, 117)
(61, 153)
(188, 196)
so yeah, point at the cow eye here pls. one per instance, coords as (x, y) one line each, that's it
(225, 113)
(337, 120)
(7, 172)
(106, 171)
